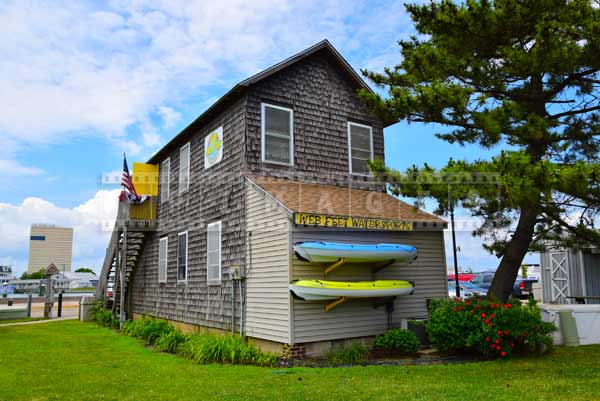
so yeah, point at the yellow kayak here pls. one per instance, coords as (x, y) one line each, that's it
(316, 290)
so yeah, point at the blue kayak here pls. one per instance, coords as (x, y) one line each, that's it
(332, 251)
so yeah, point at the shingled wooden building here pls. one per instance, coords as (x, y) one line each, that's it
(278, 159)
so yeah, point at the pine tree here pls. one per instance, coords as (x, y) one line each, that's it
(520, 74)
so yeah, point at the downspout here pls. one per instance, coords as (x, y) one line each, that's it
(232, 304)
(242, 275)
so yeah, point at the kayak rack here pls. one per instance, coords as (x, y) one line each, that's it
(335, 266)
(388, 302)
(330, 305)
(342, 261)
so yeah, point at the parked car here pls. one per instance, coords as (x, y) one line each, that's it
(476, 290)
(523, 288)
(464, 293)
(483, 279)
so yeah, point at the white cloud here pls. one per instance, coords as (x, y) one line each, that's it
(169, 116)
(71, 69)
(91, 221)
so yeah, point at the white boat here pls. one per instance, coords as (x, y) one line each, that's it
(330, 252)
(321, 290)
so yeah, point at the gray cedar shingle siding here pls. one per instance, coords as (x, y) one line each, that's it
(323, 99)
(214, 194)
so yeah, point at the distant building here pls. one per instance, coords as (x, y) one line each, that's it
(50, 244)
(5, 274)
(76, 280)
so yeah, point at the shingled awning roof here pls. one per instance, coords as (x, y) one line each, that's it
(331, 200)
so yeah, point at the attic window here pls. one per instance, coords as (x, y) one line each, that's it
(277, 135)
(360, 145)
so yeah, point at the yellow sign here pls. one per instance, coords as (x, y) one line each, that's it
(322, 220)
(145, 179)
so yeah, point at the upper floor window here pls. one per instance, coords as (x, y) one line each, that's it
(163, 247)
(184, 168)
(277, 135)
(213, 252)
(360, 148)
(182, 256)
(165, 179)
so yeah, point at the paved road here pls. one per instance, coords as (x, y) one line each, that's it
(69, 308)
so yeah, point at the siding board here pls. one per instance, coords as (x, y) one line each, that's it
(267, 278)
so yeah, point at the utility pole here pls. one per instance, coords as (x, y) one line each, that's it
(454, 251)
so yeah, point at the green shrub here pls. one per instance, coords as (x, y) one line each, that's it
(398, 341)
(206, 348)
(488, 328)
(148, 329)
(348, 354)
(170, 342)
(103, 316)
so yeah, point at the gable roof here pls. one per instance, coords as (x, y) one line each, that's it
(241, 87)
(331, 200)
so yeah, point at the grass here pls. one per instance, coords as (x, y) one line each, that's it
(70, 360)
(20, 320)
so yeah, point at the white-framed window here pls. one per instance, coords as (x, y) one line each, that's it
(165, 179)
(184, 168)
(277, 134)
(163, 250)
(182, 256)
(213, 252)
(360, 148)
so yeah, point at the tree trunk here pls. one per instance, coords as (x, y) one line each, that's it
(505, 276)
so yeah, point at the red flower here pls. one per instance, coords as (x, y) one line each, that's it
(487, 339)
(498, 306)
(505, 332)
(467, 303)
(500, 332)
(492, 346)
(491, 306)
(507, 306)
(483, 315)
(492, 316)
(454, 309)
(476, 306)
(498, 347)
(503, 354)
(487, 321)
(478, 299)
(498, 341)
(460, 308)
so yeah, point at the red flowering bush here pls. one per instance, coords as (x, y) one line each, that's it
(489, 328)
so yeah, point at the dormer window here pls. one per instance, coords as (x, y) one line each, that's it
(277, 134)
(360, 148)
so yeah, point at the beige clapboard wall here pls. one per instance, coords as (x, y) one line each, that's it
(56, 247)
(273, 315)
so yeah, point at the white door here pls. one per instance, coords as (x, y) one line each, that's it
(559, 278)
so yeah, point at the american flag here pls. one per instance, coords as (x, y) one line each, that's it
(127, 183)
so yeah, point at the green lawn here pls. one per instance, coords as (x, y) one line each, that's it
(69, 360)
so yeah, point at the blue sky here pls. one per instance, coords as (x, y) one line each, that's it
(84, 82)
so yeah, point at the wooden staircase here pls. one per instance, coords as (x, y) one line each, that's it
(133, 225)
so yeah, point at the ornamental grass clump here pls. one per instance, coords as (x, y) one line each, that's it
(148, 329)
(206, 348)
(489, 328)
(348, 354)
